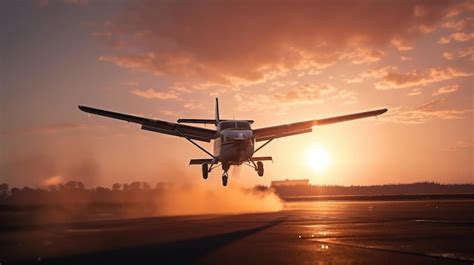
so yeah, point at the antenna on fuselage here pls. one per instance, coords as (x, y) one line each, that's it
(217, 111)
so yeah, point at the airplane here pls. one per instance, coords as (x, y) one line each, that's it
(234, 140)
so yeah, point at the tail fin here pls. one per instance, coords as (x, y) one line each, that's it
(217, 111)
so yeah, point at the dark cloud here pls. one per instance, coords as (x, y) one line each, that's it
(233, 41)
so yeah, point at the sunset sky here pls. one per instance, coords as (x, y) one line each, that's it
(272, 61)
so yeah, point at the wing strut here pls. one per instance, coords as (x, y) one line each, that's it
(260, 147)
(198, 146)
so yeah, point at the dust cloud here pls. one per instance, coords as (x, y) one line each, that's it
(192, 200)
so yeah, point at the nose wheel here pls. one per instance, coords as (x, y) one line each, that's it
(259, 168)
(225, 177)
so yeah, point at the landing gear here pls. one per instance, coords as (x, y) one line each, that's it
(225, 175)
(224, 179)
(205, 171)
(259, 168)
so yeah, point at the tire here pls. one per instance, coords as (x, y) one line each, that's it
(260, 169)
(224, 180)
(205, 171)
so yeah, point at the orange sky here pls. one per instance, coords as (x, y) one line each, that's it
(274, 63)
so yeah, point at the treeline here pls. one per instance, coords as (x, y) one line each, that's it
(374, 190)
(74, 192)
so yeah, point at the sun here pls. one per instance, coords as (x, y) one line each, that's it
(318, 158)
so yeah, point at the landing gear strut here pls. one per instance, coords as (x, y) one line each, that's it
(259, 168)
(205, 171)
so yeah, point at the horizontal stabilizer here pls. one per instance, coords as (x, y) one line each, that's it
(205, 121)
(262, 158)
(202, 121)
(200, 161)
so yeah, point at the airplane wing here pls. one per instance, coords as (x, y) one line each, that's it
(195, 133)
(268, 133)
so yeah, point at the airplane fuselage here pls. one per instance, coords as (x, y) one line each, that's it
(235, 143)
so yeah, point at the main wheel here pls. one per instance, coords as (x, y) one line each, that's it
(205, 171)
(224, 180)
(260, 168)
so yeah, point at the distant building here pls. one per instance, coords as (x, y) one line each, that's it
(290, 182)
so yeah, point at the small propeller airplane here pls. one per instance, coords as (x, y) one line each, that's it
(234, 140)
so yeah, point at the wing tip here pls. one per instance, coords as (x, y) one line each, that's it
(82, 108)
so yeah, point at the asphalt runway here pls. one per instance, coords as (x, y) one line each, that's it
(322, 232)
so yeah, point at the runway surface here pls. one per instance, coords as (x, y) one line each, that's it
(323, 232)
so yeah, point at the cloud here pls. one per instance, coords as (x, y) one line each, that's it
(361, 56)
(374, 73)
(238, 42)
(395, 80)
(283, 98)
(304, 93)
(415, 92)
(401, 45)
(194, 106)
(348, 97)
(425, 113)
(460, 8)
(459, 24)
(458, 36)
(446, 90)
(153, 94)
(467, 52)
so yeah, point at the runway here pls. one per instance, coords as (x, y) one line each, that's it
(319, 232)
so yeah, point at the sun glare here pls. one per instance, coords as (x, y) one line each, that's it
(318, 158)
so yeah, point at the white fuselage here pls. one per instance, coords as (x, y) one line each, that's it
(235, 144)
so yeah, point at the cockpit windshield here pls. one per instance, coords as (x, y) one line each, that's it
(239, 125)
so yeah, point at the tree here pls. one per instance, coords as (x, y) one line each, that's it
(116, 186)
(135, 186)
(126, 187)
(4, 190)
(80, 185)
(101, 189)
(70, 185)
(146, 186)
(14, 191)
